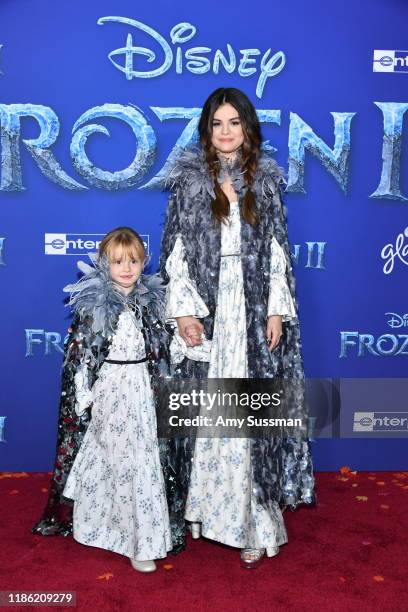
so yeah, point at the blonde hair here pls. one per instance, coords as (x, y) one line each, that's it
(124, 237)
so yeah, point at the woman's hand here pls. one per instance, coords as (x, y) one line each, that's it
(190, 329)
(273, 331)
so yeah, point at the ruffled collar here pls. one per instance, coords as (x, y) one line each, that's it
(95, 295)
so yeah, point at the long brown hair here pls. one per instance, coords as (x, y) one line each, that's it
(250, 148)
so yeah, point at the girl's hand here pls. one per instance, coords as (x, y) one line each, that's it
(190, 329)
(273, 331)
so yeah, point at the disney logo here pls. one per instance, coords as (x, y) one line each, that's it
(192, 59)
(390, 252)
(397, 320)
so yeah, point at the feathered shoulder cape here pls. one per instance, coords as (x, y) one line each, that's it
(96, 299)
(190, 173)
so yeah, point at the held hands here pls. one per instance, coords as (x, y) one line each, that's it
(273, 331)
(190, 329)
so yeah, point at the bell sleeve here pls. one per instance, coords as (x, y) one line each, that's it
(280, 299)
(182, 300)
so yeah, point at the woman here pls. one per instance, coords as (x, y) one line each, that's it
(226, 257)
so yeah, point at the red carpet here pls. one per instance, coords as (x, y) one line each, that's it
(348, 553)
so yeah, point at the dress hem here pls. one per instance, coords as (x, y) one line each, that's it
(211, 535)
(95, 544)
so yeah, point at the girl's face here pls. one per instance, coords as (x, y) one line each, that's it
(125, 268)
(227, 133)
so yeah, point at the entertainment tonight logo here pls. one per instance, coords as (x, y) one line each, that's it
(390, 61)
(380, 421)
(79, 244)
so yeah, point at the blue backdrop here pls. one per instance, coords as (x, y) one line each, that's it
(330, 86)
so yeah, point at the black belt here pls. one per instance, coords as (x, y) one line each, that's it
(117, 361)
(232, 255)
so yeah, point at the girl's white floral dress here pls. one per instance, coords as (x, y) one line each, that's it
(220, 495)
(116, 481)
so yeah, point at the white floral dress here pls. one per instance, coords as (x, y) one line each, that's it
(116, 481)
(220, 494)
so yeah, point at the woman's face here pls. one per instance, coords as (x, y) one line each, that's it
(227, 133)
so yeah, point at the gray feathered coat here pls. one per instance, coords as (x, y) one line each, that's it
(281, 468)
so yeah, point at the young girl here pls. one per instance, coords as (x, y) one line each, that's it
(117, 347)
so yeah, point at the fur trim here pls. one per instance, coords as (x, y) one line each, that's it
(96, 296)
(190, 173)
